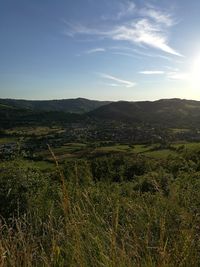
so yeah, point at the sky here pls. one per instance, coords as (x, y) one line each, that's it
(100, 49)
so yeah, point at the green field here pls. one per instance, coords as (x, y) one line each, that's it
(32, 164)
(6, 140)
(180, 130)
(125, 148)
(189, 146)
(66, 151)
(161, 154)
(73, 150)
(78, 150)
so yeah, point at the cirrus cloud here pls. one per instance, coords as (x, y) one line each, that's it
(117, 81)
(95, 50)
(151, 72)
(148, 27)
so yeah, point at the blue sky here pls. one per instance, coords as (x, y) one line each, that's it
(107, 50)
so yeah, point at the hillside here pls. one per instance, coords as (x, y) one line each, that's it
(79, 105)
(168, 112)
(12, 116)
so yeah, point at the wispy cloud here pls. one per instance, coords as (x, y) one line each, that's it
(170, 75)
(73, 29)
(125, 54)
(113, 84)
(139, 52)
(118, 81)
(151, 30)
(151, 72)
(181, 76)
(172, 69)
(95, 50)
(143, 32)
(124, 8)
(158, 16)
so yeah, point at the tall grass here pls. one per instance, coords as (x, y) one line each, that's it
(104, 228)
(107, 224)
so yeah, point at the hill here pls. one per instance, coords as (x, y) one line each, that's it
(12, 116)
(78, 105)
(168, 112)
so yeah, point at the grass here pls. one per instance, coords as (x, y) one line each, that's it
(76, 150)
(125, 148)
(66, 151)
(190, 146)
(114, 148)
(180, 130)
(41, 165)
(142, 148)
(147, 222)
(161, 154)
(149, 151)
(104, 226)
(6, 140)
(32, 164)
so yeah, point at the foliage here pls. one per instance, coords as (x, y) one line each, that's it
(106, 211)
(22, 188)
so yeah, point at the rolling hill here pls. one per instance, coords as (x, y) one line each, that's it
(167, 112)
(78, 105)
(13, 116)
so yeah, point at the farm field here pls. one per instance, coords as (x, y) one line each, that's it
(81, 150)
(66, 150)
(7, 140)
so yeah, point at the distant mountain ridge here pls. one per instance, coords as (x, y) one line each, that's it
(78, 105)
(174, 113)
(169, 112)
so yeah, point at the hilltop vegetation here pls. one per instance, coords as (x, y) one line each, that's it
(107, 211)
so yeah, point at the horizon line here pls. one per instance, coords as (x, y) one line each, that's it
(76, 98)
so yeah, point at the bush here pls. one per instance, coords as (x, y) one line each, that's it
(22, 190)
